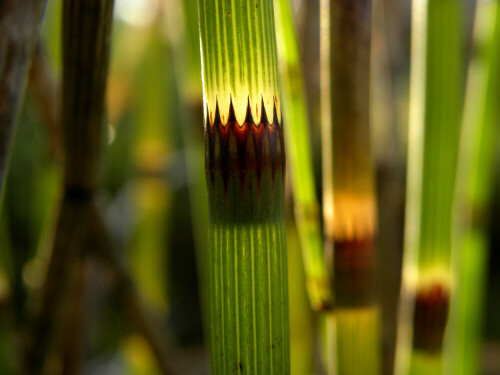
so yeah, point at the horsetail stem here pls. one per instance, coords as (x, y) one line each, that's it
(245, 168)
(307, 213)
(435, 99)
(474, 181)
(86, 39)
(348, 191)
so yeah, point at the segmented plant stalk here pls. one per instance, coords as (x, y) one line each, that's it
(435, 100)
(349, 199)
(300, 158)
(479, 141)
(86, 34)
(245, 167)
(19, 28)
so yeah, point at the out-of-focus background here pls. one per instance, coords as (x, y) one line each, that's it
(154, 199)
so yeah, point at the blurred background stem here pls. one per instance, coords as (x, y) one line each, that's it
(19, 28)
(435, 110)
(306, 208)
(478, 149)
(349, 201)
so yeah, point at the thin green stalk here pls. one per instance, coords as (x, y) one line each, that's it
(19, 28)
(300, 158)
(479, 142)
(245, 167)
(435, 109)
(348, 191)
(187, 65)
(302, 318)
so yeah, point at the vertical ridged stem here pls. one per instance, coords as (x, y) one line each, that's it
(435, 109)
(348, 190)
(247, 247)
(86, 38)
(307, 215)
(479, 141)
(245, 169)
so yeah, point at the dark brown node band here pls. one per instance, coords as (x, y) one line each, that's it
(234, 150)
(354, 272)
(430, 316)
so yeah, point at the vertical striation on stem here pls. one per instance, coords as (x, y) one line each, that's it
(348, 185)
(245, 169)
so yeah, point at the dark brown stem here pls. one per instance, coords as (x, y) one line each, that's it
(46, 92)
(354, 272)
(86, 35)
(429, 319)
(19, 27)
(86, 45)
(73, 340)
(70, 233)
(354, 222)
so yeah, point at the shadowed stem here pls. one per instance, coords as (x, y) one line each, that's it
(475, 174)
(348, 185)
(86, 39)
(46, 92)
(19, 28)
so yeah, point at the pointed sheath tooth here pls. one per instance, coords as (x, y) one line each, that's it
(264, 112)
(231, 117)
(215, 117)
(248, 117)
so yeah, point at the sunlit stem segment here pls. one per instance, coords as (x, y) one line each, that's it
(349, 200)
(307, 213)
(435, 110)
(245, 168)
(479, 140)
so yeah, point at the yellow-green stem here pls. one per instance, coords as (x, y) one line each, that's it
(479, 140)
(245, 168)
(435, 109)
(307, 213)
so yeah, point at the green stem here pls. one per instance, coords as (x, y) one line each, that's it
(475, 180)
(245, 167)
(307, 213)
(435, 100)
